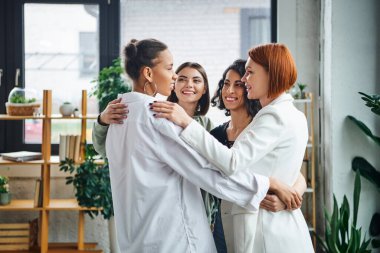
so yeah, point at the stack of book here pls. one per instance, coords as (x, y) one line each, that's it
(69, 147)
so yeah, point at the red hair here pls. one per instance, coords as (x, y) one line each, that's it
(279, 63)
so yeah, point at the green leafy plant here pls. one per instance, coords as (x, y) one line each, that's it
(4, 184)
(91, 182)
(341, 235)
(19, 99)
(109, 84)
(361, 165)
(302, 86)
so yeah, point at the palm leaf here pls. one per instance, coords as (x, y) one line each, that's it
(366, 170)
(365, 129)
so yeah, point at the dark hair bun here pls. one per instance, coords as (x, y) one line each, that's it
(131, 49)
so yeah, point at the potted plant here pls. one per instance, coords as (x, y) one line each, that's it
(5, 196)
(91, 183)
(302, 87)
(22, 102)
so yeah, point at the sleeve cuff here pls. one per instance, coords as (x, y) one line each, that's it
(100, 122)
(262, 190)
(101, 129)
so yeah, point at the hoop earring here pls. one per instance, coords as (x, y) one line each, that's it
(155, 88)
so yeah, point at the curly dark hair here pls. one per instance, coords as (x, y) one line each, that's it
(252, 105)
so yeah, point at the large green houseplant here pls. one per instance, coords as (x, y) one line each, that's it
(367, 170)
(109, 84)
(341, 235)
(91, 182)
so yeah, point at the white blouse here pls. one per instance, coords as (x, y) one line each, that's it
(273, 144)
(155, 181)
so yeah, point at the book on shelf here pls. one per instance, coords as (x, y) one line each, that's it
(22, 156)
(37, 193)
(69, 147)
(62, 147)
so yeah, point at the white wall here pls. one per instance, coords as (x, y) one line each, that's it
(351, 33)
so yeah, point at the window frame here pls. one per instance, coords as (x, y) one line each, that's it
(12, 46)
(246, 14)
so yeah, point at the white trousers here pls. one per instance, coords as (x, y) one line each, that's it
(244, 232)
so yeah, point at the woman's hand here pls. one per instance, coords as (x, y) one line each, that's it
(272, 203)
(171, 111)
(285, 193)
(114, 113)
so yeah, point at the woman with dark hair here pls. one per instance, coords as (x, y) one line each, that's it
(272, 144)
(191, 92)
(231, 96)
(155, 176)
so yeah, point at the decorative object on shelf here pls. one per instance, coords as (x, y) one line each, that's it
(366, 169)
(301, 87)
(91, 182)
(66, 109)
(109, 84)
(21, 101)
(22, 156)
(5, 195)
(76, 112)
(340, 235)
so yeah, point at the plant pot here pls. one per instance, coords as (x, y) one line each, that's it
(5, 198)
(303, 95)
(66, 110)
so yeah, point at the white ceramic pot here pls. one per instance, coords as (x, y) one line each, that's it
(66, 110)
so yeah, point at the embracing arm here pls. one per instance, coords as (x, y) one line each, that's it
(244, 188)
(114, 113)
(254, 142)
(257, 140)
(272, 203)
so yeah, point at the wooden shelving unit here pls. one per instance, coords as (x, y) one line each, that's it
(309, 208)
(48, 204)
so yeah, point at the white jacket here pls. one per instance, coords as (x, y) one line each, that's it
(155, 180)
(273, 144)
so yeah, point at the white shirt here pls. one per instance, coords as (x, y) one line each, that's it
(273, 144)
(155, 180)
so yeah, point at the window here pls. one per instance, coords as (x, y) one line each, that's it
(58, 45)
(203, 31)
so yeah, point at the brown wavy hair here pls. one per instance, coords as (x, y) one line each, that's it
(204, 102)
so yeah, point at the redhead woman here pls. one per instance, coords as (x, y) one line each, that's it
(155, 176)
(273, 144)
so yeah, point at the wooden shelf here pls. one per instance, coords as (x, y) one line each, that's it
(20, 205)
(53, 116)
(302, 101)
(6, 162)
(309, 190)
(54, 160)
(66, 205)
(53, 204)
(8, 117)
(59, 116)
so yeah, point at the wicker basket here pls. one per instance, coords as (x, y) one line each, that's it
(21, 109)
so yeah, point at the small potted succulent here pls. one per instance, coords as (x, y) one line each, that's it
(302, 87)
(5, 196)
